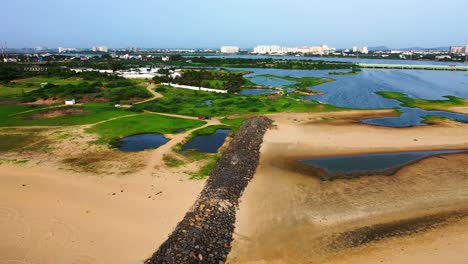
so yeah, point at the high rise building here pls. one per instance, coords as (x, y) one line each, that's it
(230, 49)
(459, 49)
(100, 49)
(363, 50)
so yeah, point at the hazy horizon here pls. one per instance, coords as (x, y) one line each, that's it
(211, 24)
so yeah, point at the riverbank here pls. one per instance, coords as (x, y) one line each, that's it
(287, 217)
(56, 216)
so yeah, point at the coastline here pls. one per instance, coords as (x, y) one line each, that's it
(288, 217)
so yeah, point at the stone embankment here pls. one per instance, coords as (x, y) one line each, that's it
(205, 233)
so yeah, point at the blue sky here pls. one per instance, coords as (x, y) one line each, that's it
(245, 23)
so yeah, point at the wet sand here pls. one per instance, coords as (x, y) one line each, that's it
(288, 217)
(55, 216)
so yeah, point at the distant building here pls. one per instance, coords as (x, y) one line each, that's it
(70, 102)
(165, 58)
(363, 50)
(274, 49)
(230, 49)
(100, 49)
(459, 49)
(62, 50)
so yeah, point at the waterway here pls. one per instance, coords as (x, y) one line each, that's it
(358, 91)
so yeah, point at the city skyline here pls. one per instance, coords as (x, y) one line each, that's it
(191, 24)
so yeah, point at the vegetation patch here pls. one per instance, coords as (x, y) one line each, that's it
(171, 161)
(354, 71)
(106, 162)
(110, 132)
(14, 115)
(56, 113)
(14, 142)
(431, 119)
(192, 103)
(425, 104)
(206, 169)
(299, 82)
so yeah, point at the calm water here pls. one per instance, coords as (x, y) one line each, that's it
(370, 162)
(351, 59)
(207, 143)
(256, 91)
(358, 91)
(141, 142)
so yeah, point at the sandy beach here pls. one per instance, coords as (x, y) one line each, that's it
(56, 216)
(417, 215)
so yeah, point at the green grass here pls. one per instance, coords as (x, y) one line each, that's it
(234, 123)
(430, 119)
(206, 169)
(424, 103)
(14, 142)
(14, 92)
(191, 103)
(93, 113)
(113, 130)
(352, 72)
(300, 82)
(172, 161)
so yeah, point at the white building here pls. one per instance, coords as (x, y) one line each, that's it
(62, 50)
(274, 49)
(459, 49)
(100, 49)
(230, 49)
(363, 49)
(165, 58)
(70, 102)
(269, 49)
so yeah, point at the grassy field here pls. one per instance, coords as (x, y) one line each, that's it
(192, 103)
(423, 103)
(300, 82)
(142, 123)
(92, 113)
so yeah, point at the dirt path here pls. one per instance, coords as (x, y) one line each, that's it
(156, 157)
(155, 94)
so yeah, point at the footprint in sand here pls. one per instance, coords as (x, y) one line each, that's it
(13, 228)
(58, 241)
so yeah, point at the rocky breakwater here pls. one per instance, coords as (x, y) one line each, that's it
(205, 233)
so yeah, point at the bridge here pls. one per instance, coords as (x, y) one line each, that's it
(414, 67)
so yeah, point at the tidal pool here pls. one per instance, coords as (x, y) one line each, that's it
(385, 163)
(141, 142)
(207, 143)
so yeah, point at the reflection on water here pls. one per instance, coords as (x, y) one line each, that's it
(369, 162)
(207, 143)
(256, 91)
(141, 142)
(358, 91)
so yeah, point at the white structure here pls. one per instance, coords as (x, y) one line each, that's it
(70, 102)
(100, 49)
(230, 49)
(194, 88)
(274, 49)
(165, 58)
(62, 50)
(363, 50)
(459, 49)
